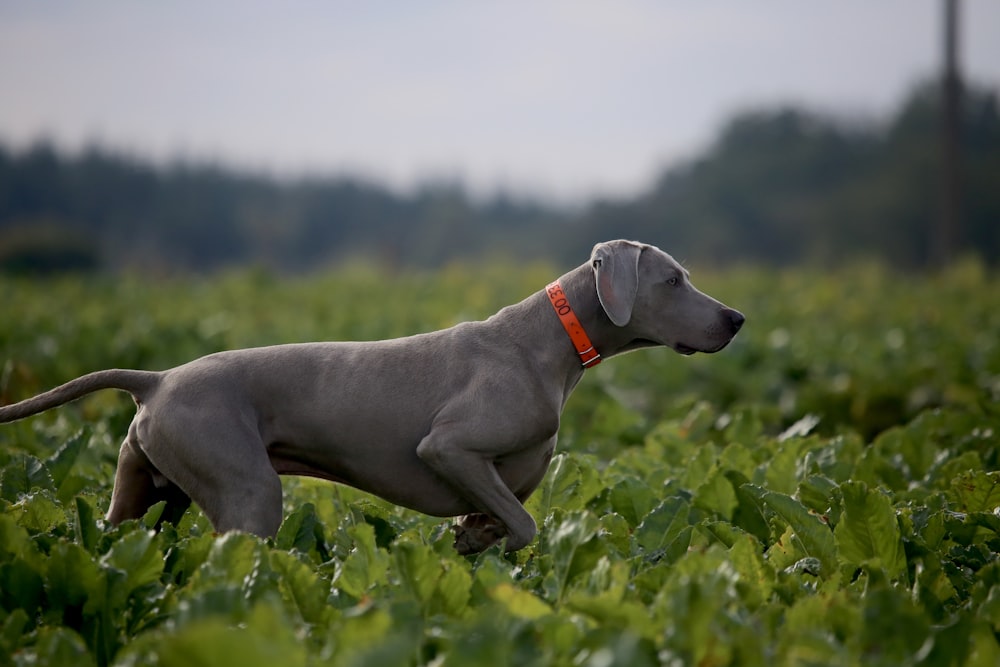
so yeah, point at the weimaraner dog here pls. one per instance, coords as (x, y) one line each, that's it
(459, 422)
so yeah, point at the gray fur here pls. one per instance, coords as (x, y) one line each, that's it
(458, 422)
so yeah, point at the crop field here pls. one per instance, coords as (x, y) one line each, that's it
(824, 491)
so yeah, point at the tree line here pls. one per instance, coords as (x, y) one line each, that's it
(780, 186)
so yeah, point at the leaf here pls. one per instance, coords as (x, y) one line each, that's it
(23, 474)
(137, 554)
(661, 526)
(265, 640)
(454, 588)
(812, 533)
(633, 499)
(88, 533)
(976, 491)
(572, 542)
(365, 566)
(756, 577)
(518, 602)
(39, 512)
(748, 514)
(72, 576)
(816, 493)
(868, 531)
(716, 495)
(231, 558)
(722, 531)
(570, 483)
(302, 531)
(14, 540)
(60, 464)
(60, 647)
(21, 586)
(186, 556)
(301, 586)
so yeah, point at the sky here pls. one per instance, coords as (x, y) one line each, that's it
(554, 99)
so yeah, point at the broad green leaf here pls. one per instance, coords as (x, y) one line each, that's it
(60, 464)
(418, 567)
(782, 472)
(663, 524)
(454, 588)
(519, 602)
(616, 532)
(59, 647)
(267, 639)
(756, 576)
(12, 630)
(87, 531)
(677, 547)
(138, 555)
(737, 457)
(698, 467)
(816, 492)
(153, 514)
(39, 512)
(14, 539)
(570, 483)
(21, 587)
(632, 499)
(811, 532)
(985, 651)
(932, 588)
(301, 586)
(302, 531)
(72, 576)
(716, 495)
(893, 629)
(722, 531)
(748, 513)
(868, 531)
(186, 556)
(571, 541)
(817, 629)
(22, 475)
(365, 566)
(231, 558)
(976, 491)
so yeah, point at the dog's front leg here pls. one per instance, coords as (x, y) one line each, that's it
(476, 532)
(475, 477)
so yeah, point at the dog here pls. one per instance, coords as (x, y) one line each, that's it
(460, 422)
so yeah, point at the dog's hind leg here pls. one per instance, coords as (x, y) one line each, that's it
(138, 486)
(220, 462)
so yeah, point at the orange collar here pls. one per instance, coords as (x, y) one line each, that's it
(588, 355)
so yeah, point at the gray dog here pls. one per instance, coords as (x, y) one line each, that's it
(459, 422)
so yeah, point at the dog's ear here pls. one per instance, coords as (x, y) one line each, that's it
(616, 272)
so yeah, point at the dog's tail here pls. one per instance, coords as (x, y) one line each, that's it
(137, 383)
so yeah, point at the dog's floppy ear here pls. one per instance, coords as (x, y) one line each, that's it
(616, 272)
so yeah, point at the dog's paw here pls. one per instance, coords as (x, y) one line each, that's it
(477, 532)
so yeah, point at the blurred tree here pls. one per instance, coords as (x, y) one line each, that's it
(782, 186)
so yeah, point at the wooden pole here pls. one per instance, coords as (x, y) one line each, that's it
(945, 236)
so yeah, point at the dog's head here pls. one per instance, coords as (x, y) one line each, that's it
(645, 291)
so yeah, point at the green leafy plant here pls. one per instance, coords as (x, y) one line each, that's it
(825, 491)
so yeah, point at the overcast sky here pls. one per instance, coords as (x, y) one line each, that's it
(563, 99)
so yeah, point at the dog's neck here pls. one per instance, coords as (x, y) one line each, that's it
(581, 290)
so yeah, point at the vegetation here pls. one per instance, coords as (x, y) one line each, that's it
(781, 186)
(824, 491)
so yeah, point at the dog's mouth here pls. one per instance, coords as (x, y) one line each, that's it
(681, 348)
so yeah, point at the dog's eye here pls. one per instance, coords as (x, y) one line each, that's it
(672, 281)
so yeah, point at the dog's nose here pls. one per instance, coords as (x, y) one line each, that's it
(736, 318)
